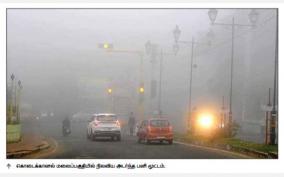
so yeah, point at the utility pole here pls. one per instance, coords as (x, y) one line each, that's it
(274, 111)
(160, 83)
(253, 16)
(267, 117)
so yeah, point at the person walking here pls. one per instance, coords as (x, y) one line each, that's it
(131, 123)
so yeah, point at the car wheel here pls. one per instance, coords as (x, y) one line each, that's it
(93, 137)
(88, 134)
(170, 141)
(148, 141)
(118, 138)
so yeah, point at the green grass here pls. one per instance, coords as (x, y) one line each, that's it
(234, 142)
(250, 145)
(13, 133)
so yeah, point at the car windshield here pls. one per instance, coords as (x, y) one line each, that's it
(107, 118)
(159, 123)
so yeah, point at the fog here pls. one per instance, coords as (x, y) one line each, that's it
(55, 53)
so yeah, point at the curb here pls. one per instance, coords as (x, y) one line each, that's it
(24, 152)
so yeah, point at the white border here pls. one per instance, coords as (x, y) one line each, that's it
(176, 166)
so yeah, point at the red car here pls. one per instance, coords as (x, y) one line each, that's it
(155, 130)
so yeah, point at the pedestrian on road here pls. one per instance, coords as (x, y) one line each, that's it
(131, 123)
(66, 125)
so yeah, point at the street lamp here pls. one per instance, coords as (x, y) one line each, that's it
(111, 97)
(10, 111)
(19, 100)
(212, 13)
(151, 50)
(175, 48)
(148, 47)
(110, 48)
(176, 33)
(109, 90)
(253, 16)
(274, 113)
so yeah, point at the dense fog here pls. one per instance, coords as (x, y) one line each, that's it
(56, 54)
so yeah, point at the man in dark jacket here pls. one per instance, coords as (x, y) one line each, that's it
(131, 123)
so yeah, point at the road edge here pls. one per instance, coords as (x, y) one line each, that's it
(231, 153)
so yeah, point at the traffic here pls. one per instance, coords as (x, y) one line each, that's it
(152, 129)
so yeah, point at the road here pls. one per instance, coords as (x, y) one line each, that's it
(77, 146)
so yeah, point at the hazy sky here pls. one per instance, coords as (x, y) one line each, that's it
(55, 53)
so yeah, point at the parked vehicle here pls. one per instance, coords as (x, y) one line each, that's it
(155, 130)
(104, 125)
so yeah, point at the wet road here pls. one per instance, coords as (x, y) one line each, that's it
(77, 146)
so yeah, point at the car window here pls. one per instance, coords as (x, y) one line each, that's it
(106, 118)
(159, 123)
(144, 123)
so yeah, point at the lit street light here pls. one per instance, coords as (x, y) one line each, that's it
(109, 48)
(253, 16)
(141, 89)
(109, 90)
(176, 34)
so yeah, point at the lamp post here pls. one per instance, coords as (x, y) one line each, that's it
(274, 113)
(253, 17)
(20, 87)
(11, 99)
(111, 96)
(192, 43)
(150, 50)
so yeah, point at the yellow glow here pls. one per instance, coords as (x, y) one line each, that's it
(106, 46)
(141, 90)
(205, 120)
(109, 90)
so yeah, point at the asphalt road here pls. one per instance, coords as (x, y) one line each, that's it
(77, 146)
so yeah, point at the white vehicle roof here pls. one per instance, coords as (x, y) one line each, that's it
(104, 114)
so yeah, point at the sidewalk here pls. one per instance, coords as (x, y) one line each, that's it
(30, 143)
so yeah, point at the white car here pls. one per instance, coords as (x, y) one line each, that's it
(104, 125)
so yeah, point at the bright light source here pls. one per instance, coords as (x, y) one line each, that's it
(106, 46)
(205, 120)
(109, 90)
(141, 89)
